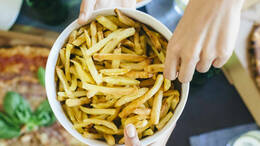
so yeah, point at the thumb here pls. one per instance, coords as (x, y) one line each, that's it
(131, 137)
(86, 9)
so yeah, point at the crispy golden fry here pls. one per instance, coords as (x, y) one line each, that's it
(171, 93)
(70, 114)
(63, 80)
(128, 98)
(76, 52)
(128, 109)
(90, 94)
(121, 141)
(114, 72)
(157, 103)
(73, 36)
(93, 32)
(74, 94)
(138, 74)
(82, 61)
(93, 111)
(137, 46)
(147, 83)
(120, 81)
(107, 104)
(106, 23)
(101, 117)
(126, 57)
(117, 39)
(106, 33)
(148, 132)
(166, 106)
(141, 124)
(143, 44)
(77, 101)
(109, 139)
(100, 33)
(113, 117)
(128, 43)
(160, 55)
(166, 85)
(164, 120)
(87, 122)
(77, 113)
(175, 101)
(124, 19)
(133, 120)
(62, 56)
(154, 68)
(84, 76)
(136, 66)
(97, 47)
(127, 51)
(87, 38)
(106, 130)
(69, 47)
(92, 135)
(154, 39)
(74, 82)
(110, 90)
(116, 63)
(116, 21)
(91, 66)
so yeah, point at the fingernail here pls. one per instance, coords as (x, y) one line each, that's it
(130, 130)
(82, 16)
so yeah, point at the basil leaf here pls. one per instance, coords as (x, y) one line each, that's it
(9, 120)
(7, 129)
(44, 114)
(41, 76)
(32, 124)
(17, 107)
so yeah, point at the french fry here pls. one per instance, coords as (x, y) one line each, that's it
(117, 39)
(92, 135)
(120, 81)
(154, 39)
(84, 76)
(76, 52)
(101, 117)
(128, 109)
(136, 66)
(93, 32)
(74, 82)
(141, 124)
(164, 120)
(137, 46)
(138, 74)
(80, 40)
(87, 38)
(91, 66)
(127, 51)
(113, 117)
(171, 93)
(97, 47)
(89, 121)
(114, 72)
(124, 19)
(148, 132)
(106, 130)
(100, 34)
(166, 85)
(147, 83)
(70, 114)
(128, 43)
(143, 44)
(166, 106)
(154, 68)
(106, 23)
(110, 90)
(107, 104)
(63, 80)
(160, 55)
(175, 101)
(62, 56)
(142, 111)
(93, 111)
(116, 63)
(116, 21)
(157, 103)
(77, 113)
(106, 33)
(128, 98)
(72, 36)
(109, 139)
(133, 120)
(121, 141)
(69, 47)
(90, 94)
(74, 94)
(126, 57)
(77, 101)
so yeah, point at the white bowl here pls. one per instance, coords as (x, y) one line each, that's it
(51, 85)
(142, 3)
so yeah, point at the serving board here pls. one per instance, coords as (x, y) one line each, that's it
(237, 69)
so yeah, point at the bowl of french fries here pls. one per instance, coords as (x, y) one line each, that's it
(107, 74)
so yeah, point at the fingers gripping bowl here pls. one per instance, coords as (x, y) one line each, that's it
(97, 88)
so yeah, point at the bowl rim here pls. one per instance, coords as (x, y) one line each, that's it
(142, 3)
(51, 84)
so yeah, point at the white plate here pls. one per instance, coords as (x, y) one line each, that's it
(50, 76)
(142, 3)
(9, 10)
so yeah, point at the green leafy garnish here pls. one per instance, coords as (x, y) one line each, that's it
(44, 114)
(7, 129)
(41, 76)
